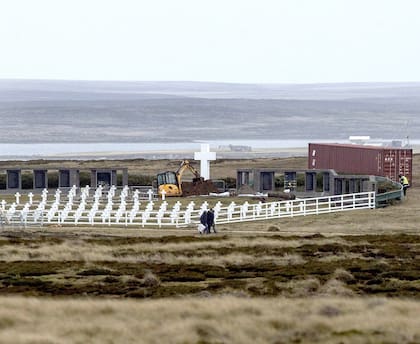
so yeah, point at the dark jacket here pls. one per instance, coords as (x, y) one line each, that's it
(203, 218)
(210, 218)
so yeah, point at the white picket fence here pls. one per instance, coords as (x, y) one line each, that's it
(122, 210)
(299, 207)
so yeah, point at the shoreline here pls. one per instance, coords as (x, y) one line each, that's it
(163, 154)
(124, 152)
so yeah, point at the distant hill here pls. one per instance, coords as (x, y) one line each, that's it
(94, 111)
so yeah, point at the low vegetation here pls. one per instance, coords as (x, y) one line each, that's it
(188, 265)
(225, 319)
(351, 277)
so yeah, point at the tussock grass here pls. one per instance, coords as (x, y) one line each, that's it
(342, 256)
(150, 279)
(342, 275)
(300, 288)
(187, 265)
(336, 288)
(217, 320)
(224, 251)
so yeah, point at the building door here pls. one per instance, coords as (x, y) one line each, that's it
(338, 186)
(267, 181)
(64, 178)
(104, 178)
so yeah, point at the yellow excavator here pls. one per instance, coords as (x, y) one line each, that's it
(172, 183)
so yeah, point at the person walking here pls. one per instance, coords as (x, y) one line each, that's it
(210, 221)
(203, 221)
(404, 182)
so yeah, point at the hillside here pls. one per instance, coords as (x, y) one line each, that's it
(82, 111)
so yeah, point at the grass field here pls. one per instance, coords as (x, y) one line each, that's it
(350, 277)
(221, 168)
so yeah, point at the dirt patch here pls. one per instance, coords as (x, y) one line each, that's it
(198, 188)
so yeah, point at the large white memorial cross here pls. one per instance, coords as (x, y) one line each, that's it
(205, 156)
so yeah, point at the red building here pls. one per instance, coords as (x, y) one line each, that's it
(360, 159)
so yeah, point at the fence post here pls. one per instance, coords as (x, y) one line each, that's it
(371, 199)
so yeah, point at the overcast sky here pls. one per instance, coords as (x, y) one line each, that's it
(276, 41)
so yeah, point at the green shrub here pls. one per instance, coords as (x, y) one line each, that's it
(279, 182)
(27, 181)
(53, 179)
(85, 179)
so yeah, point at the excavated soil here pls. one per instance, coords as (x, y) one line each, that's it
(198, 188)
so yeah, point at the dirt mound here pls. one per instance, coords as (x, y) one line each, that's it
(198, 188)
(282, 196)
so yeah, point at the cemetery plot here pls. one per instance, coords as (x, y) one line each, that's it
(122, 207)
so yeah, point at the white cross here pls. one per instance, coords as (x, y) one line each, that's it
(136, 195)
(31, 196)
(205, 156)
(163, 193)
(44, 195)
(3, 205)
(17, 195)
(150, 193)
(57, 195)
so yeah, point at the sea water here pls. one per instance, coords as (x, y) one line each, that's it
(40, 150)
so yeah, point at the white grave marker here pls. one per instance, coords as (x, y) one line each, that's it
(205, 156)
(150, 193)
(163, 193)
(57, 195)
(31, 197)
(17, 195)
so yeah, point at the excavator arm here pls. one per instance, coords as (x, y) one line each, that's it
(185, 165)
(171, 182)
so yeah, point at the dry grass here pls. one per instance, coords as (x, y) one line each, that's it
(300, 287)
(343, 275)
(186, 265)
(220, 168)
(209, 320)
(317, 267)
(336, 288)
(169, 253)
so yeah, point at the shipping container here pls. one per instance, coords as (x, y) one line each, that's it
(360, 159)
